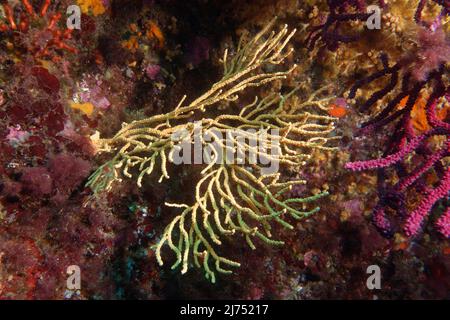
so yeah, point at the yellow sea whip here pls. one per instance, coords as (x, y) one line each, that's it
(230, 199)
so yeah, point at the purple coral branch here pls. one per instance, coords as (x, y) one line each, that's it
(381, 222)
(431, 107)
(415, 219)
(443, 224)
(404, 141)
(429, 163)
(418, 14)
(336, 16)
(393, 158)
(418, 70)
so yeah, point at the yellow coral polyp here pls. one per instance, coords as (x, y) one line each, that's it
(87, 108)
(155, 32)
(131, 44)
(419, 116)
(96, 7)
(151, 32)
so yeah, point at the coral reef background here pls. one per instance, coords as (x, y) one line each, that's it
(388, 183)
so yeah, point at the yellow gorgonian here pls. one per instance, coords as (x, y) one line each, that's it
(239, 199)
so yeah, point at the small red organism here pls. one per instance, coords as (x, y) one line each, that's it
(338, 108)
(40, 42)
